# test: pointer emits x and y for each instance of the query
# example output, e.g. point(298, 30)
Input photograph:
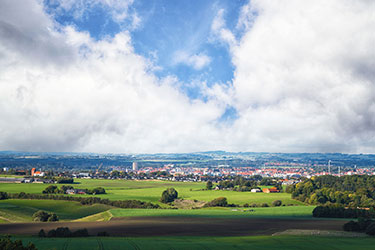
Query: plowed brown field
point(178, 226)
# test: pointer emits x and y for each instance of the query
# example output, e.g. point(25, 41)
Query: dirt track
point(178, 226)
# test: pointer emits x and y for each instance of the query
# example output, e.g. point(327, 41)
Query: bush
point(277, 203)
point(102, 234)
point(169, 195)
point(42, 233)
point(51, 233)
point(370, 230)
point(264, 205)
point(351, 226)
point(246, 205)
point(218, 202)
point(64, 232)
point(81, 233)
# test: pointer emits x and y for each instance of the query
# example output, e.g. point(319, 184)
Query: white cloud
point(197, 61)
point(304, 78)
point(87, 95)
point(119, 10)
point(219, 30)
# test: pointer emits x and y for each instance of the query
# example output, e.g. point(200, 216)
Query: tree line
point(339, 211)
point(242, 184)
point(82, 200)
point(350, 191)
point(53, 189)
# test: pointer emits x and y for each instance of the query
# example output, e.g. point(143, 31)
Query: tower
point(329, 167)
point(135, 166)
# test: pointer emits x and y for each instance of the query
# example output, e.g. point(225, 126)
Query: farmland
point(204, 228)
point(150, 191)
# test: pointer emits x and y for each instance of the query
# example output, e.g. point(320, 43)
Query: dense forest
point(350, 190)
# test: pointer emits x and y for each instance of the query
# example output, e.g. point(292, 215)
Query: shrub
point(81, 233)
point(42, 233)
point(51, 233)
point(277, 203)
point(101, 234)
point(246, 205)
point(370, 230)
point(351, 226)
point(63, 232)
point(264, 205)
point(218, 202)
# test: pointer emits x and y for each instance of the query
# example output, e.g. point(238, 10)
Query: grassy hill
point(22, 210)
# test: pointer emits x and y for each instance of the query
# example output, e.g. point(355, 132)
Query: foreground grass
point(247, 242)
point(274, 212)
point(151, 191)
point(22, 210)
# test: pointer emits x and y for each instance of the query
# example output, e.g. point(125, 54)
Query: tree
point(40, 216)
point(51, 189)
point(44, 216)
point(7, 243)
point(3, 196)
point(209, 185)
point(169, 195)
point(277, 203)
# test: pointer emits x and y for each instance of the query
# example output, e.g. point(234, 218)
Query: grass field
point(275, 212)
point(151, 191)
point(22, 210)
point(246, 242)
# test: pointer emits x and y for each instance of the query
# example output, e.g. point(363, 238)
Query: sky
point(162, 76)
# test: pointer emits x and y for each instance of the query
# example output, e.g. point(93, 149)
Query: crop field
point(22, 210)
point(245, 242)
point(151, 191)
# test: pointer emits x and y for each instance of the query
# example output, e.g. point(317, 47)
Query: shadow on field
point(178, 226)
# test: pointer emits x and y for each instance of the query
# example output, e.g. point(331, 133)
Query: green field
point(302, 212)
point(151, 191)
point(246, 242)
point(22, 210)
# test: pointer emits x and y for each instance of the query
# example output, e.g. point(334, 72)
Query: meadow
point(196, 242)
point(302, 212)
point(150, 191)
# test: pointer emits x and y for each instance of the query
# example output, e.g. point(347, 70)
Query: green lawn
point(151, 191)
point(227, 243)
point(275, 212)
point(22, 210)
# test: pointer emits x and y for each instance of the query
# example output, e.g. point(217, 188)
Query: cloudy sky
point(147, 76)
